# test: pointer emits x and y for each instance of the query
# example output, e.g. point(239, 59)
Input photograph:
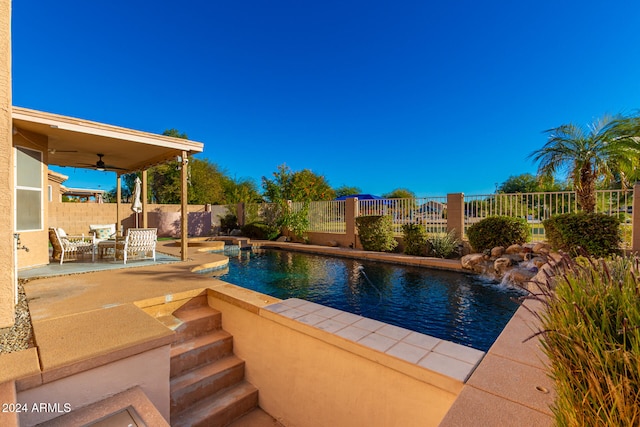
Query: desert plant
point(444, 245)
point(376, 233)
point(596, 234)
point(296, 221)
point(498, 231)
point(591, 334)
point(415, 239)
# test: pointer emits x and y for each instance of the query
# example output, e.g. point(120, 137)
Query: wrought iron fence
point(431, 212)
point(325, 216)
point(536, 207)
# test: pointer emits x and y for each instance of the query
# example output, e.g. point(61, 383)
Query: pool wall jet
point(307, 376)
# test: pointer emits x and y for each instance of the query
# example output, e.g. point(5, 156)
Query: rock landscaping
point(514, 265)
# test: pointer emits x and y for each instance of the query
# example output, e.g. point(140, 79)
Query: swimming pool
point(458, 307)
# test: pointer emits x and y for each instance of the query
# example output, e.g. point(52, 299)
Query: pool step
point(207, 379)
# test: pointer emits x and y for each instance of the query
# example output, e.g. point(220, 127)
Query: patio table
point(106, 247)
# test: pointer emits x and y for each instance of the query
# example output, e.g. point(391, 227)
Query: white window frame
point(40, 190)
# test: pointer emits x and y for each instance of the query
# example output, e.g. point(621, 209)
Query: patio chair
point(138, 241)
point(66, 246)
point(103, 232)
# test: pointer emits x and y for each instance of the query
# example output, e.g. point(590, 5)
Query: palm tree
point(599, 153)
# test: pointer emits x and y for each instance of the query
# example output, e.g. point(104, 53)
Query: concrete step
point(200, 350)
point(196, 321)
point(220, 409)
point(194, 302)
point(204, 381)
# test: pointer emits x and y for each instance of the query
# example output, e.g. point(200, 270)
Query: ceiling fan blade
point(55, 150)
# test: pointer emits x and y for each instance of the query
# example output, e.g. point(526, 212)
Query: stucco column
point(240, 214)
point(7, 243)
point(350, 214)
point(635, 219)
point(455, 214)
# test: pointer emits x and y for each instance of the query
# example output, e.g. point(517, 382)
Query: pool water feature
point(458, 307)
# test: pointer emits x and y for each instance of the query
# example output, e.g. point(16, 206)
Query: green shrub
point(594, 233)
point(498, 231)
point(376, 233)
point(260, 231)
point(591, 335)
point(415, 239)
point(445, 245)
point(228, 222)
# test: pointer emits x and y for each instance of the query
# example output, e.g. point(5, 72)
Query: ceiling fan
point(101, 166)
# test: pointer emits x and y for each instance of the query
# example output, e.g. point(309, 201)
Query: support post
point(119, 230)
point(145, 199)
point(184, 223)
point(455, 214)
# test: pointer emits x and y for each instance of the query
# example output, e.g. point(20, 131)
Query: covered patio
point(72, 142)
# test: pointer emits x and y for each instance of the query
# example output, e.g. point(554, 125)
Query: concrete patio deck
point(508, 388)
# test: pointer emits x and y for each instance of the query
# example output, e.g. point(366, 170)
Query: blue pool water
point(458, 307)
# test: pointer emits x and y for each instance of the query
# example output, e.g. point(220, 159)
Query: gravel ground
point(20, 335)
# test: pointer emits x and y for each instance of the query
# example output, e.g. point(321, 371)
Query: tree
point(400, 193)
point(587, 156)
point(345, 190)
point(528, 183)
point(243, 190)
point(301, 186)
point(175, 133)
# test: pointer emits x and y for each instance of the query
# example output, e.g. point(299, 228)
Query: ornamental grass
point(591, 334)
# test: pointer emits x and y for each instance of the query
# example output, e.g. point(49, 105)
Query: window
point(29, 209)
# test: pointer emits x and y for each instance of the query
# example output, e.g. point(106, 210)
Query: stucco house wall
point(7, 273)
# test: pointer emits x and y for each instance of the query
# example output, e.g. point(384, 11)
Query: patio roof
point(77, 142)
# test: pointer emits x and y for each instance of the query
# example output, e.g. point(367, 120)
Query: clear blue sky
point(437, 97)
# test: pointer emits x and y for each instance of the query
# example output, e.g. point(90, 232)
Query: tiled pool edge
point(441, 363)
point(444, 357)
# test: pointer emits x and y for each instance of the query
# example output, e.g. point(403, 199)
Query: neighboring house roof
point(77, 142)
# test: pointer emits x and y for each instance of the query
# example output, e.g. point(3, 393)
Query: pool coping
point(445, 357)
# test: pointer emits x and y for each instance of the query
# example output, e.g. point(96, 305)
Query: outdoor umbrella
point(136, 206)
